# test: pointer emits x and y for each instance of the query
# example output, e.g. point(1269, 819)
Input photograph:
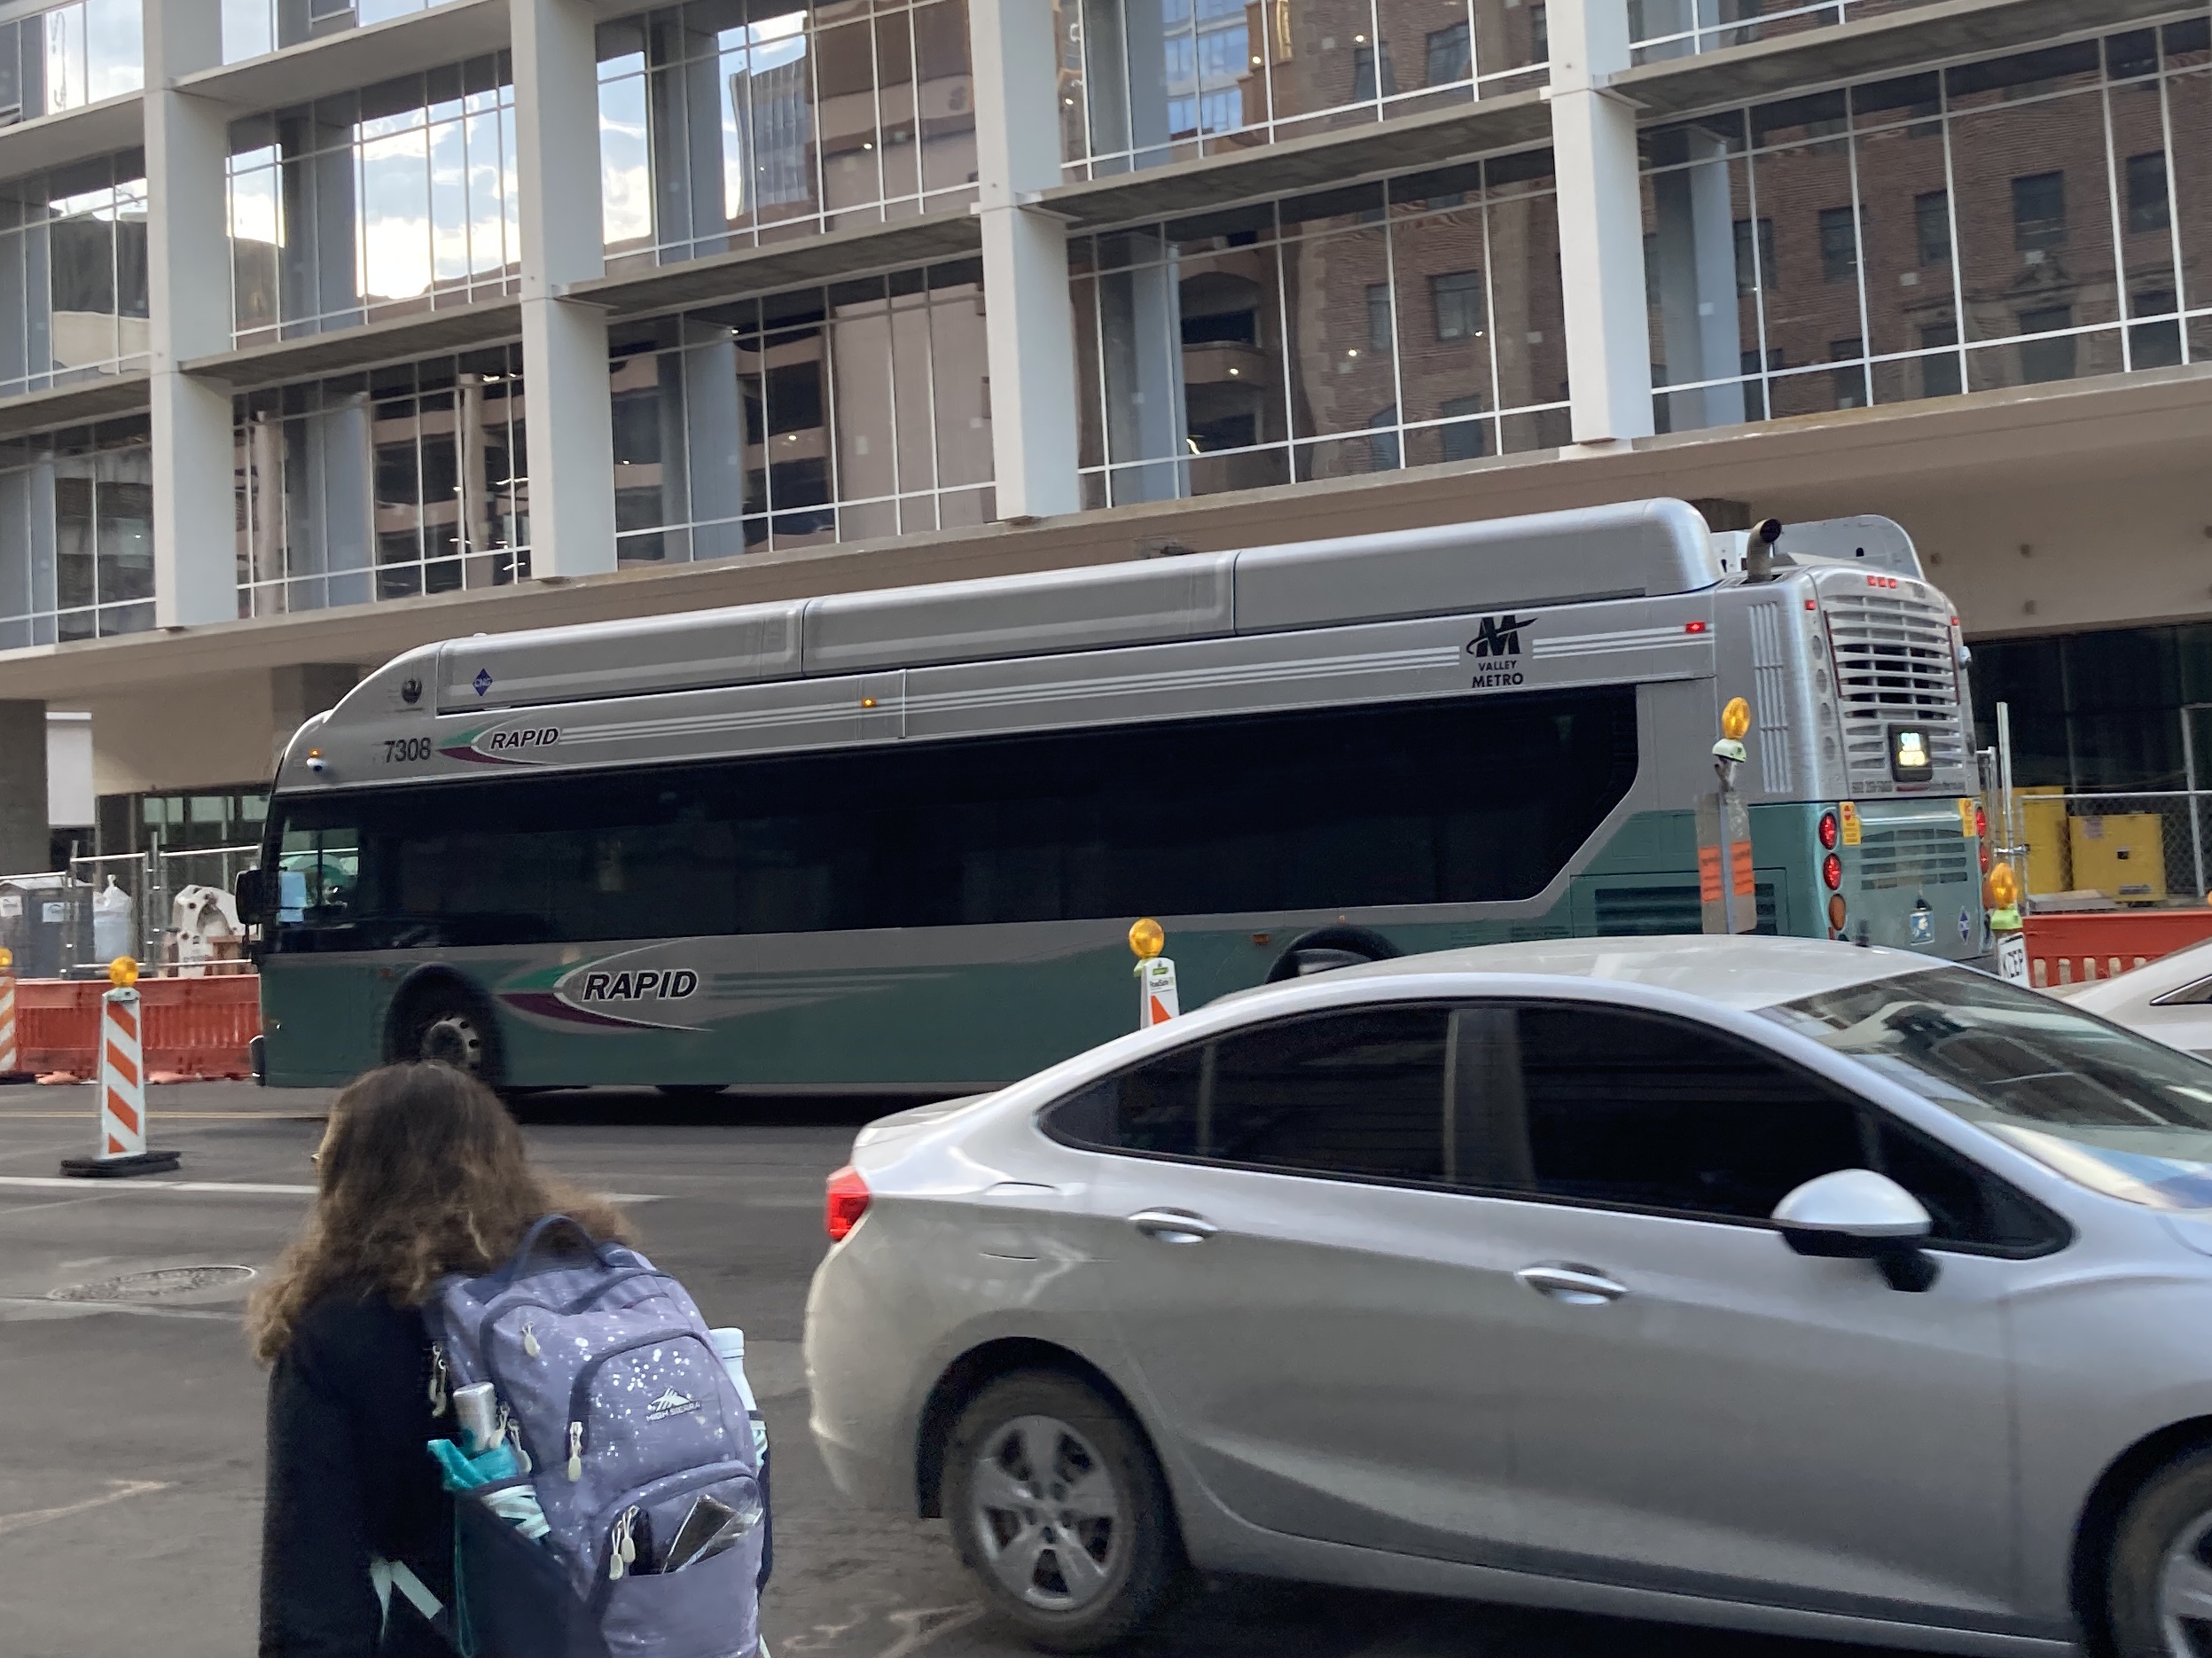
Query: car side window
point(1617, 1106)
point(1624, 1108)
point(1357, 1094)
point(1967, 1204)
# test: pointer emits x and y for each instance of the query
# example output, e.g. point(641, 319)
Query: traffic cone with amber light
point(11, 1064)
point(2000, 891)
point(123, 1087)
point(1156, 1002)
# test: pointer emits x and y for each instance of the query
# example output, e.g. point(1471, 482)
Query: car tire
point(1041, 1465)
point(2159, 1593)
point(449, 1024)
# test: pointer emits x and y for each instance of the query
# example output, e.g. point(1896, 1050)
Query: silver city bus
point(896, 839)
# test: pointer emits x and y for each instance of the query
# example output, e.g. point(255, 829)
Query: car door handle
point(1578, 1286)
point(1174, 1226)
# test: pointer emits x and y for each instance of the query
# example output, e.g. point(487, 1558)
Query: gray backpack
point(635, 1443)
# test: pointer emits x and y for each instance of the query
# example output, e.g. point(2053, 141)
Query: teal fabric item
point(517, 1505)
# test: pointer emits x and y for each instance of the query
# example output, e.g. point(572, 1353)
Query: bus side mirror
point(245, 889)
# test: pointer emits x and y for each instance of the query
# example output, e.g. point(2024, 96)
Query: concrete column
point(567, 407)
point(1030, 324)
point(1601, 224)
point(188, 255)
point(25, 841)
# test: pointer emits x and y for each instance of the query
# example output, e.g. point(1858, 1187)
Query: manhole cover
point(170, 1280)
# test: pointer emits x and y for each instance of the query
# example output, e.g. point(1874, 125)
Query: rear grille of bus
point(1914, 855)
point(1894, 666)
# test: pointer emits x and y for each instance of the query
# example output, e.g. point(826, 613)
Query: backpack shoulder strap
point(386, 1575)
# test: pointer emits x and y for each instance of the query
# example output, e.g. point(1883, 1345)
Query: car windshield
point(2111, 1110)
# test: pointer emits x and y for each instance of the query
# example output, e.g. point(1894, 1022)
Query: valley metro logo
point(669, 1404)
point(1499, 635)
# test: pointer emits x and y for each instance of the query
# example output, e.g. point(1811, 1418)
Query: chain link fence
point(70, 923)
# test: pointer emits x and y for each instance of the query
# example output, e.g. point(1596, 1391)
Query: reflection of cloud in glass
point(395, 221)
point(625, 175)
point(114, 47)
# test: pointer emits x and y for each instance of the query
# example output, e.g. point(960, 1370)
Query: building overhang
point(1981, 446)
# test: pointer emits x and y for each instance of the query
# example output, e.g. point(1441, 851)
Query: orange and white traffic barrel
point(122, 1082)
point(10, 1066)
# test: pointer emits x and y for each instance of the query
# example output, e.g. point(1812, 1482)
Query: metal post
point(1728, 854)
point(2196, 818)
point(2005, 782)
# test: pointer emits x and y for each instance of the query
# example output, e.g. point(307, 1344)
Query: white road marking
point(922, 1627)
point(46, 1306)
point(235, 1188)
point(123, 1490)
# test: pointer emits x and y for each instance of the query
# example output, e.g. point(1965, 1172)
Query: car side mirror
point(1858, 1215)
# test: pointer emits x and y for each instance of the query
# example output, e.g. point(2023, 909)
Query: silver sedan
point(1764, 1283)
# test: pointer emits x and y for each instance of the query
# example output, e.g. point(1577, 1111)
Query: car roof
point(1745, 971)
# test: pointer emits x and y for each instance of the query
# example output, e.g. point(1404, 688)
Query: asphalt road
point(130, 1442)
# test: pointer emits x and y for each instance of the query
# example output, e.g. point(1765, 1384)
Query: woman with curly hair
point(421, 1173)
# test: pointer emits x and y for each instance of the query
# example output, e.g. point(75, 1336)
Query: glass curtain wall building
point(370, 205)
point(723, 124)
point(1145, 83)
point(1356, 330)
point(1267, 252)
point(841, 413)
point(2011, 221)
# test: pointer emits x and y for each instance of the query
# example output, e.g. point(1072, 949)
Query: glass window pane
point(1354, 1094)
point(1639, 1112)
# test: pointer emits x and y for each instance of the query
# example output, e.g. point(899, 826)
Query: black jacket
point(349, 1416)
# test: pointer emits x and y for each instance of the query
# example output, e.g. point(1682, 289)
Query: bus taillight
point(1836, 913)
point(1829, 831)
point(1832, 871)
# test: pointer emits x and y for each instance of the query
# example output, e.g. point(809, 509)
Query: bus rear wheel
point(1327, 947)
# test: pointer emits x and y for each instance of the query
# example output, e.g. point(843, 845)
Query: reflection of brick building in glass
point(1929, 235)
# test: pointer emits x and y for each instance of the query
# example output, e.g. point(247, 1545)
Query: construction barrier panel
point(194, 1028)
point(2077, 948)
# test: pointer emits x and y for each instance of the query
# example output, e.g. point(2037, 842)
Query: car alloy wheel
point(1046, 1513)
point(2185, 1591)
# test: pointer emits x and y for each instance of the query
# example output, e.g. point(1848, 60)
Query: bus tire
point(1327, 947)
point(444, 1021)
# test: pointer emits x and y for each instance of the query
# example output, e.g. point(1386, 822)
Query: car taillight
point(849, 1196)
point(1981, 824)
point(1828, 832)
point(1832, 871)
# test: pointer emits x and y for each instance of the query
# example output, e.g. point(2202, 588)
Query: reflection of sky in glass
point(625, 145)
point(115, 47)
point(625, 174)
point(429, 191)
point(255, 213)
point(394, 215)
point(250, 27)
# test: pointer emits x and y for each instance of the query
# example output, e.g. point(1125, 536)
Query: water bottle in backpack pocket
point(632, 1428)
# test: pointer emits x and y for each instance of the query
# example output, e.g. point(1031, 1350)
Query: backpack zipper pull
point(575, 1451)
point(437, 1378)
point(623, 1548)
point(529, 1340)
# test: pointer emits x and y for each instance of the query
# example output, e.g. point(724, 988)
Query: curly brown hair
point(422, 1173)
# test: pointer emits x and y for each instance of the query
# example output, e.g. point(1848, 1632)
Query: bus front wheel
point(447, 1024)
